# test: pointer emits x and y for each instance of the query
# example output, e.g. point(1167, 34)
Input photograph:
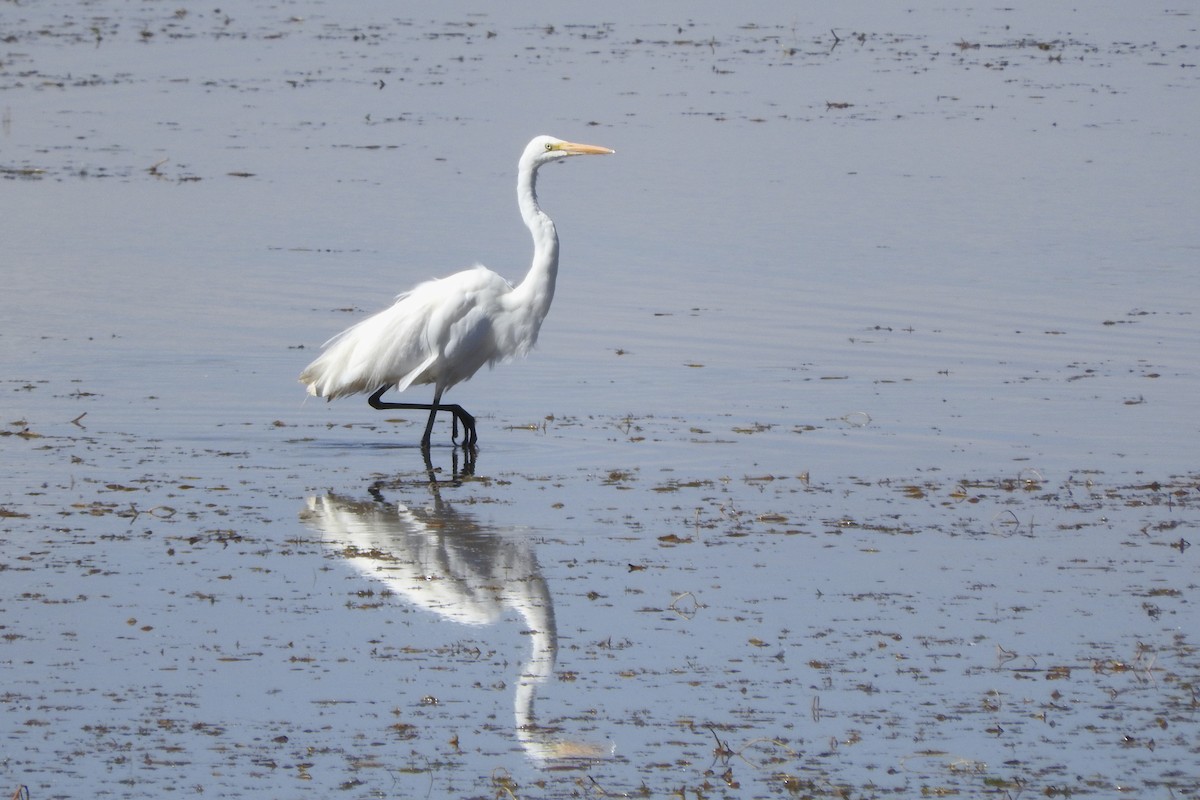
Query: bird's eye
point(549, 146)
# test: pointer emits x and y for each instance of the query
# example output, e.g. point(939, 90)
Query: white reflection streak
point(440, 559)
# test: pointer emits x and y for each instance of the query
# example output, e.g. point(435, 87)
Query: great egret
point(442, 331)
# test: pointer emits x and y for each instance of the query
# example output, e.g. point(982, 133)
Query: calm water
point(857, 457)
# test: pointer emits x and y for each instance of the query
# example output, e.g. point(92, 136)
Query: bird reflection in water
point(441, 559)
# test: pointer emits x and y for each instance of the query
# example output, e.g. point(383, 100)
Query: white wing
point(441, 332)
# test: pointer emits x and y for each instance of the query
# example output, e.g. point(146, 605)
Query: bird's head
point(544, 149)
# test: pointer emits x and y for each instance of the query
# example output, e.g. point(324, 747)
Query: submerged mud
point(606, 629)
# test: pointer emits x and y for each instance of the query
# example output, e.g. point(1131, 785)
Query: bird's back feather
point(440, 332)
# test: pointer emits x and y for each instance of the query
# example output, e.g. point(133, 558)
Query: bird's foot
point(458, 414)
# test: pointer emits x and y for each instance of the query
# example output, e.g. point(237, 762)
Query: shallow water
point(857, 457)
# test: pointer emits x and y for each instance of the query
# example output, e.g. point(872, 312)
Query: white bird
point(442, 331)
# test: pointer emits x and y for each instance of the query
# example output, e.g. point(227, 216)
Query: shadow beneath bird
point(437, 478)
point(434, 475)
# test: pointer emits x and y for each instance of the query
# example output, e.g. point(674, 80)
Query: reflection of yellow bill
point(582, 750)
point(566, 750)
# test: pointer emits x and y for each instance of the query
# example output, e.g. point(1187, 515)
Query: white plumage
point(442, 331)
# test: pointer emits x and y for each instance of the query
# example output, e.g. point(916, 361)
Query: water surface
point(857, 457)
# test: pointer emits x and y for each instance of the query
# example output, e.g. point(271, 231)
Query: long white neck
point(535, 292)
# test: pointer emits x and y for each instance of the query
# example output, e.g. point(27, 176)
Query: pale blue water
point(908, 385)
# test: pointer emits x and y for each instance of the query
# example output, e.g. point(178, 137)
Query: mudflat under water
point(857, 458)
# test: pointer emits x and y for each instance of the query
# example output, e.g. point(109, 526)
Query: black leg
point(437, 400)
point(458, 412)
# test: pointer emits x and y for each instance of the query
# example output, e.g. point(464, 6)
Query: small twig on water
point(686, 613)
point(997, 522)
point(721, 750)
point(742, 753)
point(502, 780)
point(599, 788)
